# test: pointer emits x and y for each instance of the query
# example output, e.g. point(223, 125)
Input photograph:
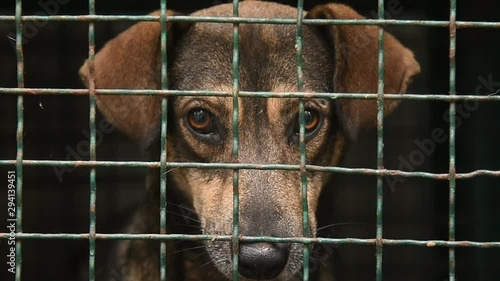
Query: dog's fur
point(336, 59)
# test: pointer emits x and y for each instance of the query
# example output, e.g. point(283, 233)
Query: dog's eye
point(204, 125)
point(311, 125)
point(200, 121)
point(311, 119)
point(311, 122)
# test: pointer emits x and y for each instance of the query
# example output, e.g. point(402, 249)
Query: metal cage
point(379, 241)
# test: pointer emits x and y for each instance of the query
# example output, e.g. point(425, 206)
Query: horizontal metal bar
point(95, 18)
point(219, 20)
point(420, 97)
point(319, 240)
point(250, 166)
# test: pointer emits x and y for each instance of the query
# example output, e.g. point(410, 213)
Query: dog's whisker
point(187, 249)
point(199, 254)
point(209, 262)
point(181, 206)
point(168, 171)
point(183, 216)
point(337, 224)
point(318, 260)
point(212, 270)
point(190, 226)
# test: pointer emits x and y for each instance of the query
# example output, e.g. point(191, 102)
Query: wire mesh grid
point(453, 24)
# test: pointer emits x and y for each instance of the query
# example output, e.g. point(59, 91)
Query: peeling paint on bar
point(236, 138)
point(93, 157)
point(382, 22)
point(250, 166)
point(163, 137)
point(380, 144)
point(201, 237)
point(302, 144)
point(19, 137)
point(452, 146)
point(491, 97)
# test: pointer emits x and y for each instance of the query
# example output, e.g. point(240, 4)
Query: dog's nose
point(262, 261)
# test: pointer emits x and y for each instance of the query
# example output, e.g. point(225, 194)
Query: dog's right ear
point(132, 60)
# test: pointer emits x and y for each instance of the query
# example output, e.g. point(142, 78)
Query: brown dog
point(336, 59)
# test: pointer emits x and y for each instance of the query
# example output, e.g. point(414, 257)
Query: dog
point(337, 58)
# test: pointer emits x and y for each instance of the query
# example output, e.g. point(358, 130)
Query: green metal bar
point(452, 113)
point(384, 22)
point(251, 166)
point(302, 143)
point(92, 226)
point(380, 143)
point(235, 152)
point(418, 97)
point(163, 153)
point(304, 240)
point(492, 97)
point(92, 124)
point(19, 136)
point(163, 189)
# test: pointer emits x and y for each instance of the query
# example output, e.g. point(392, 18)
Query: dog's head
point(336, 59)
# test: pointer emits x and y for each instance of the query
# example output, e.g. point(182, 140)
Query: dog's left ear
point(356, 66)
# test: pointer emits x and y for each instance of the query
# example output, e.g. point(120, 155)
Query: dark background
point(413, 209)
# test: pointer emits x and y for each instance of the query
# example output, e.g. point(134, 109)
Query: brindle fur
point(336, 59)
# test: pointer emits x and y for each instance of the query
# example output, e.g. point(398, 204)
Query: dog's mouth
point(258, 261)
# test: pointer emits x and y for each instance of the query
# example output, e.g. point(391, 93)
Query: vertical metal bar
point(92, 113)
point(302, 144)
point(380, 142)
point(19, 136)
point(236, 89)
point(452, 110)
point(163, 154)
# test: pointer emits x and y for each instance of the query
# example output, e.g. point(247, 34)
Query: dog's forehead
point(267, 53)
point(256, 9)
